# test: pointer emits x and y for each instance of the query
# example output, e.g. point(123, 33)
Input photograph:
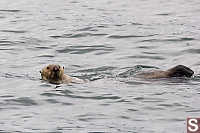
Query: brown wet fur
point(55, 74)
point(177, 71)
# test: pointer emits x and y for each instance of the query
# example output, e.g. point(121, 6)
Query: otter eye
point(47, 67)
point(40, 71)
point(59, 67)
point(63, 67)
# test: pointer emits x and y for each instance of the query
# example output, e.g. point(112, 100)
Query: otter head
point(53, 73)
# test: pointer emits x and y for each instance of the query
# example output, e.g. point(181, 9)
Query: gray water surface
point(106, 42)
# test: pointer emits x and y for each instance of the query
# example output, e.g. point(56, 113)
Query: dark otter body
point(177, 71)
point(180, 71)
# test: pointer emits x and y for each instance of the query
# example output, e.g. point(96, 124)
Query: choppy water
point(105, 41)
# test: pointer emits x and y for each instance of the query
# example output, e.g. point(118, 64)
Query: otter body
point(177, 71)
point(55, 74)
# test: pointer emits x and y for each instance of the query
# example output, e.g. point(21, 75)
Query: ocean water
point(106, 42)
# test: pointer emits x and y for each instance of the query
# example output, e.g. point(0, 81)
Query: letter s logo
point(193, 123)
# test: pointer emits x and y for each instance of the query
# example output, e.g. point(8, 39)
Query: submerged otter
point(55, 74)
point(177, 71)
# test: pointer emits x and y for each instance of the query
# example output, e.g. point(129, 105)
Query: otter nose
point(55, 69)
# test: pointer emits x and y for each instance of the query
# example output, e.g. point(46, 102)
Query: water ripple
point(128, 36)
point(6, 96)
point(76, 96)
point(5, 49)
point(135, 23)
point(146, 57)
point(13, 31)
point(78, 35)
point(98, 69)
point(45, 56)
point(169, 40)
point(170, 105)
point(192, 50)
point(18, 76)
point(98, 132)
point(153, 108)
point(193, 110)
point(164, 14)
point(86, 29)
point(88, 117)
point(96, 73)
point(146, 47)
point(85, 49)
point(25, 101)
point(9, 43)
point(133, 110)
point(150, 99)
point(10, 11)
point(93, 97)
point(54, 101)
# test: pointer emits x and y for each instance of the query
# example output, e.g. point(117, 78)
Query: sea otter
point(177, 71)
point(55, 74)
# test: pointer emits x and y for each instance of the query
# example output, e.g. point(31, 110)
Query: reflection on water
point(107, 43)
